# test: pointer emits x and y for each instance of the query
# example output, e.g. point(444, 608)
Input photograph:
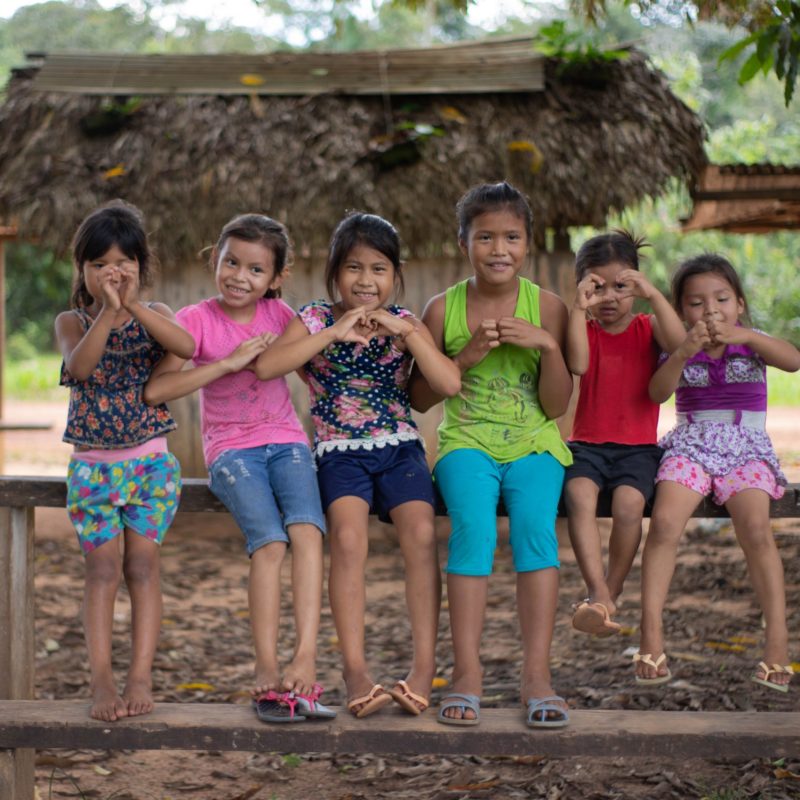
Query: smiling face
point(708, 296)
point(244, 273)
point(366, 278)
point(496, 246)
point(613, 312)
point(94, 269)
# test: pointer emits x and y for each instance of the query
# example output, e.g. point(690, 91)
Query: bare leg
point(306, 552)
point(264, 598)
point(414, 521)
point(673, 508)
point(103, 573)
point(537, 599)
point(466, 596)
point(141, 568)
point(580, 495)
point(348, 518)
point(749, 512)
point(627, 507)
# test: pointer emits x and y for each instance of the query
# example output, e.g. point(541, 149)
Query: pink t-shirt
point(238, 410)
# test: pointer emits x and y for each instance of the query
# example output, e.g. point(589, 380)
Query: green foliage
point(573, 47)
point(38, 287)
point(773, 26)
point(776, 43)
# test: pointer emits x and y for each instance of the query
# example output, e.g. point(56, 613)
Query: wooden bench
point(26, 724)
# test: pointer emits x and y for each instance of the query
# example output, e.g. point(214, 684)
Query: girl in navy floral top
point(122, 484)
point(355, 353)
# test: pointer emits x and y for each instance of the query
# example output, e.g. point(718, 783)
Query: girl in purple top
point(258, 458)
point(718, 447)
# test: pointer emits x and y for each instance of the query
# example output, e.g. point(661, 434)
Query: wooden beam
point(51, 492)
point(220, 726)
point(17, 637)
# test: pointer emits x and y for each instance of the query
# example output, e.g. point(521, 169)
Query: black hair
point(117, 224)
point(263, 230)
point(702, 265)
point(367, 229)
point(619, 246)
point(488, 197)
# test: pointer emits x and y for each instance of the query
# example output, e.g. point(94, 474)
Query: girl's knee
point(141, 567)
point(349, 543)
point(104, 564)
point(663, 528)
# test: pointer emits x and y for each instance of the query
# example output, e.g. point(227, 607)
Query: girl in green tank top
point(499, 439)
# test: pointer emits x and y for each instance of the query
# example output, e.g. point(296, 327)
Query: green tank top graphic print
point(497, 410)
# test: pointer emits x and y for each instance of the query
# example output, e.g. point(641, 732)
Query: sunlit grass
point(34, 378)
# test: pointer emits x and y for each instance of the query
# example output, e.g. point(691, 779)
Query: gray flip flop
point(464, 702)
point(540, 707)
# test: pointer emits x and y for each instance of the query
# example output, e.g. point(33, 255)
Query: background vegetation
point(746, 123)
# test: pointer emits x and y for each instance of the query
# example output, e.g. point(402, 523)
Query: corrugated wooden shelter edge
point(501, 65)
point(746, 198)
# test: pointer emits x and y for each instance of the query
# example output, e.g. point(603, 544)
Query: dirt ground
point(714, 640)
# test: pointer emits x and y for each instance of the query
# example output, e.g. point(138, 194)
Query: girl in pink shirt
point(259, 461)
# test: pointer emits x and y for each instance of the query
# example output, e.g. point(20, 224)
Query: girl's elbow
point(150, 396)
point(452, 386)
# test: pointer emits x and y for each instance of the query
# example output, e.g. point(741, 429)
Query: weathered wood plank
point(50, 492)
point(16, 639)
point(212, 726)
point(16, 604)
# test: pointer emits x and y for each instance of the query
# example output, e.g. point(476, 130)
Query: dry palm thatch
point(192, 161)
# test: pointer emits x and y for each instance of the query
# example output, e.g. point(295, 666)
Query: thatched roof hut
point(192, 159)
point(193, 140)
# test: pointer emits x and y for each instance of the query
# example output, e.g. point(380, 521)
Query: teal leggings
point(471, 483)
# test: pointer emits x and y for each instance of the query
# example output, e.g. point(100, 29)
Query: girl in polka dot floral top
point(355, 353)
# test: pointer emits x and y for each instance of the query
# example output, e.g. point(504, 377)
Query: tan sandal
point(409, 700)
point(594, 618)
point(647, 660)
point(775, 669)
point(373, 701)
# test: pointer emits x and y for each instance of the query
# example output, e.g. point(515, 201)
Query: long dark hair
point(702, 265)
point(257, 228)
point(367, 229)
point(117, 224)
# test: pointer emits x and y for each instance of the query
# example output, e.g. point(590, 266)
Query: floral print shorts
point(752, 475)
point(105, 498)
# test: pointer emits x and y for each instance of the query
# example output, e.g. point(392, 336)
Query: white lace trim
point(341, 445)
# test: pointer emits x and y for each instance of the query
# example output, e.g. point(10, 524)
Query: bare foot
point(138, 696)
point(301, 675)
point(266, 681)
point(107, 705)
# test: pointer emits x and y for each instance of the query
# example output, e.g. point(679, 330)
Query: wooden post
point(16, 639)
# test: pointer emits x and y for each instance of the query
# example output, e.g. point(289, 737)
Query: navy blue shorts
point(611, 465)
point(384, 477)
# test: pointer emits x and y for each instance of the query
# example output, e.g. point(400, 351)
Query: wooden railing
point(27, 724)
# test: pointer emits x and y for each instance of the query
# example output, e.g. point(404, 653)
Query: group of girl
point(500, 352)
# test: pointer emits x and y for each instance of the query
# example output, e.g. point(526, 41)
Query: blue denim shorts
point(384, 477)
point(267, 489)
point(471, 483)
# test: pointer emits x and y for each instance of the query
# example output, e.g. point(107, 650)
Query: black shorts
point(611, 465)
